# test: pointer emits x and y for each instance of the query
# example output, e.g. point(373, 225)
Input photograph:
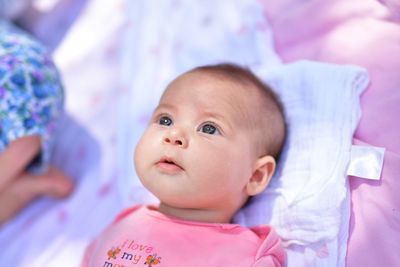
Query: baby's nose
point(176, 137)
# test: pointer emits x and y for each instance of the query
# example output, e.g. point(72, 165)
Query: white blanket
point(308, 199)
point(114, 73)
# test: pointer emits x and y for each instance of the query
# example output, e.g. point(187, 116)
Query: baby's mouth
point(168, 165)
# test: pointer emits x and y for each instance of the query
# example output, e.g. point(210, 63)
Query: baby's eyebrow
point(165, 106)
point(219, 117)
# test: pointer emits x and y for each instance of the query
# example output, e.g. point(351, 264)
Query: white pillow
point(307, 200)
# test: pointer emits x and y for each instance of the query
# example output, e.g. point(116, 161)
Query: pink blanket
point(366, 33)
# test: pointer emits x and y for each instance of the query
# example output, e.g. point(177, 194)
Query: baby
point(212, 143)
point(31, 100)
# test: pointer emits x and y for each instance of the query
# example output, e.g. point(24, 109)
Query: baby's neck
point(198, 215)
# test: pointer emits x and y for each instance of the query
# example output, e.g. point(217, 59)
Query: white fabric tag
point(366, 162)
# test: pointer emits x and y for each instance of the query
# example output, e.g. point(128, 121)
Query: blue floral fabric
point(31, 93)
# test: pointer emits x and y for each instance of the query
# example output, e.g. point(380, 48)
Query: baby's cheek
point(141, 154)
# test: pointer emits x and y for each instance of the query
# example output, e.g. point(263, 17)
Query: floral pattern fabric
point(31, 93)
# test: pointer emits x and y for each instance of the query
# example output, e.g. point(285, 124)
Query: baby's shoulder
point(271, 246)
point(126, 212)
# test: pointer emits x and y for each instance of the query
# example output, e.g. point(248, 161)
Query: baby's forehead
point(201, 85)
point(217, 87)
point(209, 91)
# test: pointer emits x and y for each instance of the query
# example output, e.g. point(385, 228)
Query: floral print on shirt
point(31, 93)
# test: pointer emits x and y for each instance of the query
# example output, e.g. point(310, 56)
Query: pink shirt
point(142, 236)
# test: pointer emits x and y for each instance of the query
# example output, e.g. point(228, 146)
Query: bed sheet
point(366, 33)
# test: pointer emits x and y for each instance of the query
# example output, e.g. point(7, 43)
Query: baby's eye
point(209, 129)
point(165, 120)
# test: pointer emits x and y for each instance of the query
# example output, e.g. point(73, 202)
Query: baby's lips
point(169, 161)
point(168, 167)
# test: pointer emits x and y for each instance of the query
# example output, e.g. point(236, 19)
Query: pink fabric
point(144, 235)
point(366, 33)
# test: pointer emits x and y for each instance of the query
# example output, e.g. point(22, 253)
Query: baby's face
point(197, 151)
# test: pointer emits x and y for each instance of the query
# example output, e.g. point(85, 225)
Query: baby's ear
point(263, 170)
